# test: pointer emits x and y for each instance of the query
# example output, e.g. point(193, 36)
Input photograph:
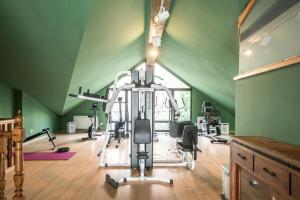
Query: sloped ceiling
point(39, 42)
point(50, 47)
point(114, 41)
point(200, 44)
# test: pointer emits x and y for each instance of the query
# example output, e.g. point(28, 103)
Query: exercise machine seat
point(176, 128)
point(189, 138)
point(142, 131)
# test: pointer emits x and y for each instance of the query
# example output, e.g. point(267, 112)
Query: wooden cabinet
point(295, 183)
point(264, 169)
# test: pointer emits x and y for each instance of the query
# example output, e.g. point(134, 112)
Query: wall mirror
point(269, 34)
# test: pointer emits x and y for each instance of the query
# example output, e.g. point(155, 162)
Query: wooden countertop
point(283, 151)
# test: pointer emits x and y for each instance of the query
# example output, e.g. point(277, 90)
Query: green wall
point(6, 101)
point(36, 116)
point(198, 97)
point(84, 109)
point(269, 105)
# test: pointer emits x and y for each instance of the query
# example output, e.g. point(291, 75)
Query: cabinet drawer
point(242, 157)
point(255, 189)
point(272, 175)
point(295, 183)
point(251, 188)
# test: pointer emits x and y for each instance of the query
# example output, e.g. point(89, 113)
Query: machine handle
point(73, 95)
point(253, 183)
point(269, 172)
point(241, 156)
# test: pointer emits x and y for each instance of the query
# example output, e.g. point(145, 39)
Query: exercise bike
point(120, 128)
point(92, 130)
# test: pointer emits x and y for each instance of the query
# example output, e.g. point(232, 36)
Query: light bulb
point(248, 52)
point(153, 53)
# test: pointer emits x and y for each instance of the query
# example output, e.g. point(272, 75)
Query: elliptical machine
point(92, 130)
point(172, 113)
point(120, 128)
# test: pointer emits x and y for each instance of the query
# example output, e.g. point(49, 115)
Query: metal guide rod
point(92, 98)
point(102, 153)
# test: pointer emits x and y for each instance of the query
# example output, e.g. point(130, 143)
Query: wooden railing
point(11, 138)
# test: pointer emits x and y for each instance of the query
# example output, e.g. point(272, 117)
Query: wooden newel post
point(9, 152)
point(2, 167)
point(17, 136)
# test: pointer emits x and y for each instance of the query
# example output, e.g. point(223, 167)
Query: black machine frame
point(127, 118)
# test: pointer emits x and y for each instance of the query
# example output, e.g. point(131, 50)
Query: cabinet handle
point(241, 156)
point(269, 172)
point(253, 183)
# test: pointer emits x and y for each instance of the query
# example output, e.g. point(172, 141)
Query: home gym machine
point(119, 132)
point(141, 156)
point(142, 89)
point(212, 122)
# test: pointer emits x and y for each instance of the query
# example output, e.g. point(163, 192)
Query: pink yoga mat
point(48, 156)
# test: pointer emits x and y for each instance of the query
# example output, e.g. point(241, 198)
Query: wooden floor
point(81, 178)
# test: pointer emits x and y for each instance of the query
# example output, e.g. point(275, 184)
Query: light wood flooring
point(81, 178)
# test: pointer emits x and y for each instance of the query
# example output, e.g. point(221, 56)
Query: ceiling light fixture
point(248, 52)
point(156, 41)
point(162, 15)
point(153, 52)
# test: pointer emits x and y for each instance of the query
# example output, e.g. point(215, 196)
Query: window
point(162, 113)
point(183, 99)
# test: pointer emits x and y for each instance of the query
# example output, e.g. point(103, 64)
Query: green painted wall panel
point(198, 97)
point(36, 116)
point(6, 101)
point(269, 105)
